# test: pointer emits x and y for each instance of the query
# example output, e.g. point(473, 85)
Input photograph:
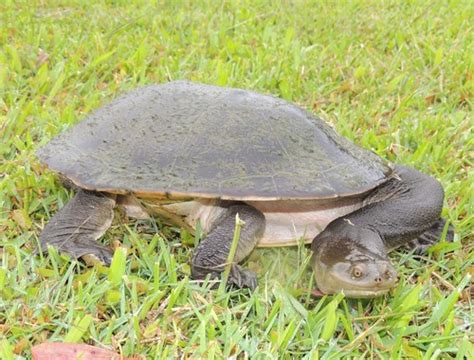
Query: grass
point(395, 77)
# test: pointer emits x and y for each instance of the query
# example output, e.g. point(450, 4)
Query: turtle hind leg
point(210, 257)
point(430, 237)
point(76, 227)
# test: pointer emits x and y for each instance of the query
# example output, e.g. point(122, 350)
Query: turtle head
point(353, 260)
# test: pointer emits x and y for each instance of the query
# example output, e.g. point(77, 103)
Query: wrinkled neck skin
point(350, 255)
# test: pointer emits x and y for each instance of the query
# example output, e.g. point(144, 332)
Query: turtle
point(199, 155)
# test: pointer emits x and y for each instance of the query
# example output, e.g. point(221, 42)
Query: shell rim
point(165, 194)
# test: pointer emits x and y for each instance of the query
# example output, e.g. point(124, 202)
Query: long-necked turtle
point(199, 153)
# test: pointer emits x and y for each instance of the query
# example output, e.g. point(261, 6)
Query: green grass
point(394, 76)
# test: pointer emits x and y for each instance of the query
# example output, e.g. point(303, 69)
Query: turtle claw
point(98, 255)
point(418, 247)
point(242, 278)
point(76, 227)
point(430, 237)
point(88, 251)
point(238, 277)
point(106, 258)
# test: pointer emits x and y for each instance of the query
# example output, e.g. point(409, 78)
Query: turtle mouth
point(364, 294)
point(352, 290)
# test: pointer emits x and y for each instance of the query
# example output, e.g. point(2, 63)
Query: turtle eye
point(357, 272)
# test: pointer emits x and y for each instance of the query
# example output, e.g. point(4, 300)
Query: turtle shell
point(183, 139)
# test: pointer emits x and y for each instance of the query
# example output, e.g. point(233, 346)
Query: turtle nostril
point(378, 279)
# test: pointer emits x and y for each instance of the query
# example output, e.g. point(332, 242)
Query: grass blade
point(117, 267)
point(78, 329)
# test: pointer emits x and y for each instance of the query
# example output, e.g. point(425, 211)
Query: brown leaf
point(43, 56)
point(20, 346)
point(430, 99)
point(21, 217)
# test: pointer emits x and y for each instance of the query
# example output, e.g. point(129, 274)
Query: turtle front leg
point(76, 227)
point(210, 257)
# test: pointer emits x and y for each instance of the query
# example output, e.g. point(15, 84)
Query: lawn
point(395, 77)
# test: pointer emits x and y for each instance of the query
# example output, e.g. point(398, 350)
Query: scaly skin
point(210, 256)
point(350, 255)
point(76, 227)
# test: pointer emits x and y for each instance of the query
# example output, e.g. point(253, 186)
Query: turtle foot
point(430, 237)
point(238, 277)
point(95, 254)
point(242, 278)
point(76, 227)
